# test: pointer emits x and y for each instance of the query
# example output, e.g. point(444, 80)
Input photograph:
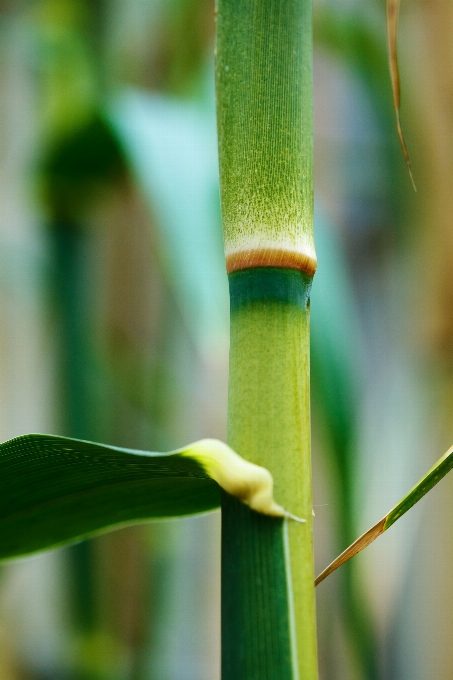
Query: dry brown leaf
point(393, 10)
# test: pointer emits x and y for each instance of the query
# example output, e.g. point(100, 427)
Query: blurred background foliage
point(114, 325)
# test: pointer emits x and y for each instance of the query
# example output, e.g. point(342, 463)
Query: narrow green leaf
point(435, 474)
point(54, 490)
point(432, 477)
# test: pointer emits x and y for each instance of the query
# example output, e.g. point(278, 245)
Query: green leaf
point(432, 477)
point(55, 490)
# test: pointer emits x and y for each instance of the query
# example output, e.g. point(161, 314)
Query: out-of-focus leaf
point(393, 10)
point(335, 352)
point(435, 474)
point(171, 148)
point(54, 490)
point(356, 40)
point(337, 375)
point(74, 169)
point(336, 363)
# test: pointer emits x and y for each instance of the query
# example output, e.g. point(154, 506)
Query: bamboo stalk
point(264, 99)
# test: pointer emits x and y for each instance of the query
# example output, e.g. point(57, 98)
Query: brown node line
point(271, 257)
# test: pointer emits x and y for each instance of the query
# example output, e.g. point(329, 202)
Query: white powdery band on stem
point(302, 259)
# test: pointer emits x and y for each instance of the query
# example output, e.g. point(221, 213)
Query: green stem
point(264, 108)
point(268, 620)
point(264, 117)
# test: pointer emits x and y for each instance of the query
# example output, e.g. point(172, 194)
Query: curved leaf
point(54, 490)
point(432, 477)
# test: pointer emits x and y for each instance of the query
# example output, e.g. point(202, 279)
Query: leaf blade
point(56, 490)
point(432, 477)
point(426, 483)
